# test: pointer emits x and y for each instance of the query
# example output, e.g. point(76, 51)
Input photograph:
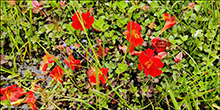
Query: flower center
point(8, 93)
point(84, 22)
point(161, 44)
point(135, 34)
point(149, 63)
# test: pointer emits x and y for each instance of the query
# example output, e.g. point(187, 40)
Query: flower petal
point(149, 53)
point(154, 71)
point(76, 25)
point(158, 63)
point(143, 58)
point(140, 67)
point(90, 21)
point(57, 73)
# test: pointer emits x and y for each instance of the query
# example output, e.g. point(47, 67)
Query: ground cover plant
point(110, 55)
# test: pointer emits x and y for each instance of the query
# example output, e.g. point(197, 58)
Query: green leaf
point(121, 68)
point(184, 38)
point(197, 7)
point(68, 27)
point(137, 15)
point(49, 27)
point(177, 107)
point(98, 23)
point(121, 5)
point(114, 37)
point(133, 89)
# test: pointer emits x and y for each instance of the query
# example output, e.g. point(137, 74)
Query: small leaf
point(121, 68)
point(197, 7)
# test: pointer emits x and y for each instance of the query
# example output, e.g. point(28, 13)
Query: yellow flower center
point(8, 93)
point(135, 33)
point(84, 22)
point(149, 63)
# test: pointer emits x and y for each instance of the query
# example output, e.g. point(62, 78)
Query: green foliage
point(193, 83)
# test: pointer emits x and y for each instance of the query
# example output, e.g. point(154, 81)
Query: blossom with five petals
point(11, 92)
point(160, 45)
point(57, 74)
point(87, 20)
point(136, 38)
point(133, 35)
point(30, 100)
point(149, 63)
point(48, 59)
point(92, 75)
point(72, 62)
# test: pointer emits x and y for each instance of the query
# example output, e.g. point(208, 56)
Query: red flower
point(72, 62)
point(150, 64)
point(136, 38)
point(48, 59)
point(92, 75)
point(170, 21)
point(11, 92)
point(179, 57)
point(30, 100)
point(166, 16)
point(160, 45)
point(100, 51)
point(86, 19)
point(57, 74)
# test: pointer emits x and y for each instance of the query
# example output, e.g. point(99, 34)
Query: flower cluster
point(14, 94)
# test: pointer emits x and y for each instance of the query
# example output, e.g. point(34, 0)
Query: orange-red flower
point(30, 100)
point(170, 21)
point(160, 45)
point(57, 74)
point(11, 93)
point(48, 59)
point(150, 64)
point(100, 51)
point(72, 62)
point(92, 75)
point(136, 38)
point(86, 19)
